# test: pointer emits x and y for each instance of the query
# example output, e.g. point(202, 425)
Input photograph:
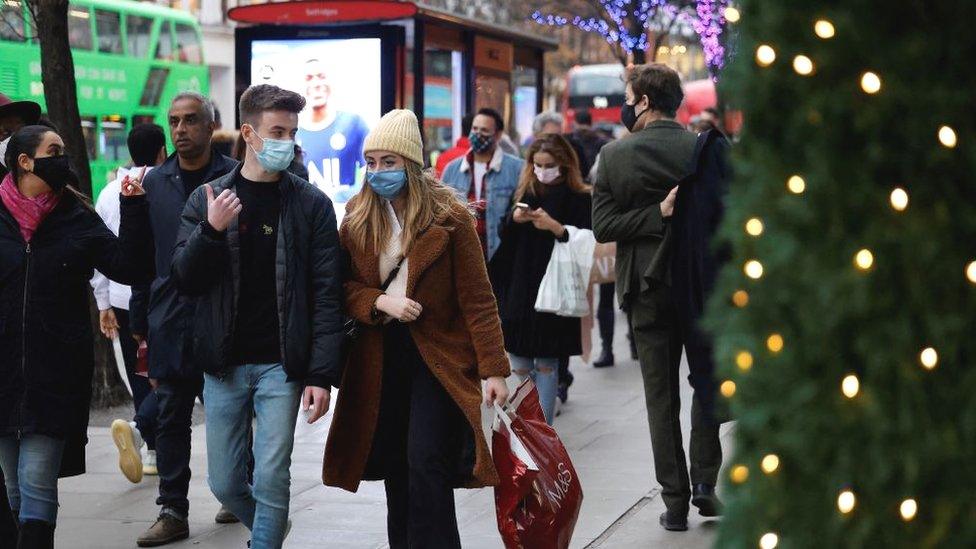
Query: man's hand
point(496, 390)
point(667, 206)
point(315, 402)
point(223, 209)
point(108, 324)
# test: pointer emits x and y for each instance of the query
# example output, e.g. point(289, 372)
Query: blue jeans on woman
point(259, 391)
point(30, 466)
point(545, 374)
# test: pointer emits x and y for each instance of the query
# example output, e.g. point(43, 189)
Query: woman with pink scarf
point(50, 242)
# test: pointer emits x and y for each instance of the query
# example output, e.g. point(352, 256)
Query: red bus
point(600, 88)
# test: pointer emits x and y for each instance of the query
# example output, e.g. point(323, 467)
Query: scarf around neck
point(29, 212)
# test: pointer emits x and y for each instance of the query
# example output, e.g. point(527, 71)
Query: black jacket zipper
point(23, 341)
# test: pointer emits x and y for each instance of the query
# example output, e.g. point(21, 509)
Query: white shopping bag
point(563, 290)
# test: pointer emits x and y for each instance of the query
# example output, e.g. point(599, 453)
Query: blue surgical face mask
point(388, 183)
point(275, 154)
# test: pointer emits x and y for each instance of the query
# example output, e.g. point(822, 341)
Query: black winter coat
point(158, 311)
point(46, 341)
point(516, 271)
point(206, 266)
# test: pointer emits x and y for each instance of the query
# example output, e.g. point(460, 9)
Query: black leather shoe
point(605, 360)
point(673, 521)
point(703, 497)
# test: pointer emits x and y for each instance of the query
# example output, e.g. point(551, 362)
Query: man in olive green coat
point(633, 198)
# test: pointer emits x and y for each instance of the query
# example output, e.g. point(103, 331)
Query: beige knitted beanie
point(397, 132)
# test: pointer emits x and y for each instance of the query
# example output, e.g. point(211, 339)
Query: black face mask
point(629, 116)
point(56, 171)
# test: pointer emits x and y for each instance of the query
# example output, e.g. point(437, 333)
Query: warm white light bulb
point(850, 386)
point(971, 272)
point(765, 55)
point(929, 358)
point(947, 136)
point(768, 541)
point(899, 199)
point(770, 463)
point(796, 184)
point(753, 269)
point(824, 29)
point(732, 15)
point(846, 501)
point(864, 259)
point(908, 509)
point(803, 65)
point(870, 83)
point(754, 226)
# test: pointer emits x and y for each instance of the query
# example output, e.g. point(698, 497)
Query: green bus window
point(113, 139)
point(88, 128)
point(188, 44)
point(138, 32)
point(109, 29)
point(164, 48)
point(11, 21)
point(153, 91)
point(79, 29)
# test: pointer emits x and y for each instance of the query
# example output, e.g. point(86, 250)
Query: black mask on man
point(56, 171)
point(629, 116)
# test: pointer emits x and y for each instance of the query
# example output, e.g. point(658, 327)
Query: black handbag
point(350, 329)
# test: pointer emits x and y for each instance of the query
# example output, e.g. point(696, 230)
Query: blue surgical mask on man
point(275, 154)
point(388, 183)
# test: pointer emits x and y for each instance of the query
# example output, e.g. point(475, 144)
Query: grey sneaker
point(224, 516)
point(167, 529)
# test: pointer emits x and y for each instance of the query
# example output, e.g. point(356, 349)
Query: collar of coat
point(427, 248)
point(495, 165)
point(219, 163)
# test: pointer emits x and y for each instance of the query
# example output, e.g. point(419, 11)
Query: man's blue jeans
point(263, 392)
point(30, 465)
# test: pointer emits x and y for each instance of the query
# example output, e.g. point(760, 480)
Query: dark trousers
point(143, 397)
point(8, 525)
point(659, 340)
point(606, 315)
point(420, 438)
point(175, 398)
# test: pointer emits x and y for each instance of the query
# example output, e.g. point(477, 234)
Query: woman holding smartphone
point(50, 241)
point(551, 194)
point(409, 409)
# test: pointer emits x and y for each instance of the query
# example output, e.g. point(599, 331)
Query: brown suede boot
point(167, 529)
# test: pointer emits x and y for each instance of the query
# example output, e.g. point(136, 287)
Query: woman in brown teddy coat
point(409, 407)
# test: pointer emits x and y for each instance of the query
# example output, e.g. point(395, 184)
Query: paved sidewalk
point(603, 425)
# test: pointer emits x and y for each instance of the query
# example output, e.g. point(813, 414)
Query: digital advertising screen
point(341, 80)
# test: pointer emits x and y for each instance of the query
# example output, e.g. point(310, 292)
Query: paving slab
point(603, 425)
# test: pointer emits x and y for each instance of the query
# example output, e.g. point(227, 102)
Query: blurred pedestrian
point(265, 341)
point(485, 177)
point(409, 408)
point(546, 122)
point(460, 147)
point(147, 149)
point(551, 194)
point(46, 372)
point(633, 198)
point(163, 318)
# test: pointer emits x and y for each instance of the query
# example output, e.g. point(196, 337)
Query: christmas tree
point(845, 322)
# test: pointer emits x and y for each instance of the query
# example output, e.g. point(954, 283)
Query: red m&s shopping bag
point(539, 497)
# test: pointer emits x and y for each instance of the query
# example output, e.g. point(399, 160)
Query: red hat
point(29, 111)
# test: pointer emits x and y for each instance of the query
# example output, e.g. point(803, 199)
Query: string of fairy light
point(871, 83)
point(709, 21)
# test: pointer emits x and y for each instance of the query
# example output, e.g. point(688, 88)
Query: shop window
point(79, 28)
point(442, 98)
point(525, 99)
point(88, 130)
point(113, 139)
point(11, 21)
point(138, 33)
point(109, 28)
point(188, 44)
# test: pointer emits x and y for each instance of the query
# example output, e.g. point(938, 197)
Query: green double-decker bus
point(131, 59)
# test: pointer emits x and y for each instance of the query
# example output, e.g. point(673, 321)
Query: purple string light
point(708, 21)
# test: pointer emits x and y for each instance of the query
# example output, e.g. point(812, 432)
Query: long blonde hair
point(427, 201)
point(565, 156)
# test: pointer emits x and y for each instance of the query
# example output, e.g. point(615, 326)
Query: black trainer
point(605, 360)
